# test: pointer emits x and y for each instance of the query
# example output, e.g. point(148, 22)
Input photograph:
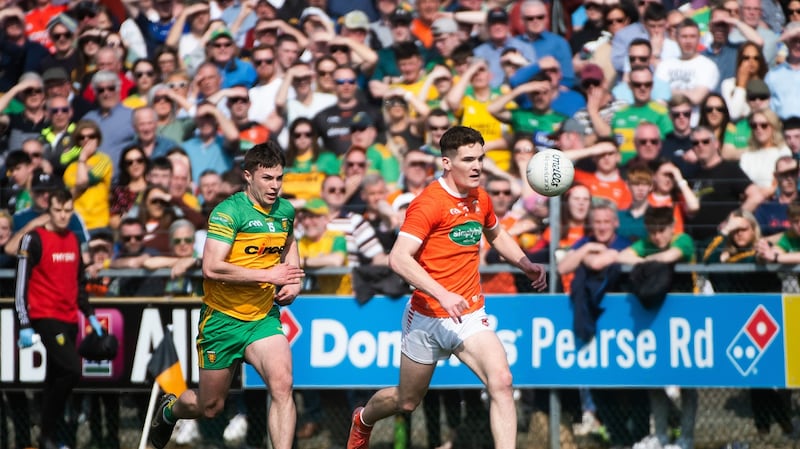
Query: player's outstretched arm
point(216, 268)
point(508, 248)
point(402, 261)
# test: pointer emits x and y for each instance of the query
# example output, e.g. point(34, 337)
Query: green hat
point(221, 32)
point(316, 206)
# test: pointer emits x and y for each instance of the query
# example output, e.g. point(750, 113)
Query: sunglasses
point(757, 97)
point(699, 142)
point(732, 11)
point(646, 84)
point(183, 240)
point(438, 128)
point(759, 125)
point(790, 174)
point(298, 135)
point(235, 100)
point(302, 79)
point(550, 70)
point(794, 11)
point(157, 202)
point(35, 155)
point(749, 58)
point(339, 49)
point(617, 20)
point(131, 162)
point(222, 44)
point(714, 109)
point(333, 190)
point(59, 36)
point(160, 98)
point(147, 73)
point(590, 83)
point(500, 192)
point(178, 85)
point(676, 114)
point(264, 31)
point(104, 89)
point(32, 91)
point(130, 238)
point(267, 61)
point(114, 44)
point(61, 110)
point(418, 164)
point(394, 102)
point(84, 137)
point(342, 81)
point(356, 164)
point(166, 61)
point(648, 141)
point(324, 72)
point(634, 59)
point(532, 18)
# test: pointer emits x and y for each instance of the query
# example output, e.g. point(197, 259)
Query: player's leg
point(484, 354)
point(272, 358)
point(405, 397)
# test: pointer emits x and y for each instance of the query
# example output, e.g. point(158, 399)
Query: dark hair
point(142, 61)
point(725, 120)
point(762, 62)
point(169, 212)
point(233, 177)
point(285, 37)
point(123, 176)
point(323, 59)
point(541, 76)
point(793, 210)
point(86, 124)
point(405, 50)
point(127, 221)
point(641, 41)
point(686, 23)
point(792, 122)
point(291, 150)
point(267, 155)
point(61, 194)
point(161, 162)
point(462, 53)
point(655, 11)
point(659, 217)
point(17, 157)
point(456, 137)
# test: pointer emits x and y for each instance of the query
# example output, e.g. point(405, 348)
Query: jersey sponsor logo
point(466, 234)
point(221, 218)
point(752, 341)
point(260, 250)
point(63, 257)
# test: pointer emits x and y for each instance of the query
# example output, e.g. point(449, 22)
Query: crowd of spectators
point(681, 117)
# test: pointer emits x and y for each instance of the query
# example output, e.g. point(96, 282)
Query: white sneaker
point(236, 429)
point(650, 442)
point(186, 431)
point(589, 424)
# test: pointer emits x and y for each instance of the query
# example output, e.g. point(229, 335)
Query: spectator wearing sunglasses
point(221, 50)
point(722, 51)
point(61, 32)
point(131, 253)
point(757, 96)
point(772, 214)
point(113, 118)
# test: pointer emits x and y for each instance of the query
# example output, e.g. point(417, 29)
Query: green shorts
point(222, 339)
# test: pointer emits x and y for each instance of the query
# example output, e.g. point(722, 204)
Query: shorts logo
point(61, 339)
point(212, 356)
point(485, 322)
point(753, 339)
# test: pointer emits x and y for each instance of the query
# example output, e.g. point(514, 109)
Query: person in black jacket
point(51, 290)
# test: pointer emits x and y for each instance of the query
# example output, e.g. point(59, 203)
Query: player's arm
point(291, 257)
point(509, 248)
point(216, 268)
point(402, 261)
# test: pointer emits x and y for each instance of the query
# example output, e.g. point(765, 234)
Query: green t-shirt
point(529, 122)
point(384, 162)
point(326, 162)
point(789, 243)
point(683, 242)
point(740, 136)
point(628, 118)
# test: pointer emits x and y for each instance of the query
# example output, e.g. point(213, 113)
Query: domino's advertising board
point(721, 340)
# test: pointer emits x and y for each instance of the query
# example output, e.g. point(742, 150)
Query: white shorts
point(427, 339)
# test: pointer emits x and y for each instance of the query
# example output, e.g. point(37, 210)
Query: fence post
point(555, 239)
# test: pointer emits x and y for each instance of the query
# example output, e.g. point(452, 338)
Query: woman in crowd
point(403, 130)
point(306, 163)
point(88, 175)
point(144, 77)
point(671, 190)
point(766, 146)
point(715, 116)
point(158, 212)
point(167, 61)
point(127, 191)
point(166, 102)
point(114, 40)
point(750, 65)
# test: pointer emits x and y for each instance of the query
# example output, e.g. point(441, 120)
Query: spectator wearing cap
point(446, 37)
point(600, 103)
point(57, 83)
point(24, 221)
point(334, 122)
point(113, 118)
point(321, 247)
point(15, 187)
point(643, 108)
point(783, 80)
point(20, 54)
point(545, 43)
point(499, 39)
point(382, 26)
point(61, 33)
point(363, 134)
point(37, 21)
point(387, 70)
point(757, 96)
point(32, 119)
point(221, 50)
point(722, 51)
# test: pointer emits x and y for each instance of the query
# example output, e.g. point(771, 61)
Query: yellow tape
point(791, 338)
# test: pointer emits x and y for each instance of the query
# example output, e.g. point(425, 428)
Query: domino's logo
point(752, 341)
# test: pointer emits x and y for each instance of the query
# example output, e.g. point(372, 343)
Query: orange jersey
point(449, 227)
point(500, 282)
point(616, 191)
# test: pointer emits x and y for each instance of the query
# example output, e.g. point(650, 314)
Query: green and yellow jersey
point(257, 238)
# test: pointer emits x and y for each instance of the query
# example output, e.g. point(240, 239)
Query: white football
point(550, 172)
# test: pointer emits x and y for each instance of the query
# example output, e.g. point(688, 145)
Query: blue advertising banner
point(723, 340)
